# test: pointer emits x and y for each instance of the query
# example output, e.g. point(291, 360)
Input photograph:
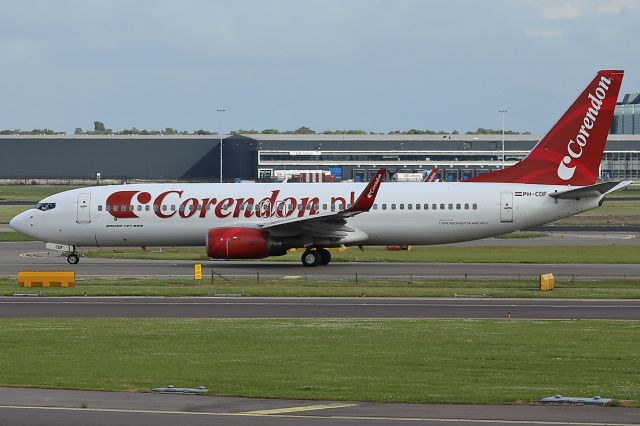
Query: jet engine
point(241, 243)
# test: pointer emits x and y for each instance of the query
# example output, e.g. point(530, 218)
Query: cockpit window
point(45, 206)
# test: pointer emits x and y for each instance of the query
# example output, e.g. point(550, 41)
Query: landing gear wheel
point(73, 259)
point(311, 258)
point(325, 256)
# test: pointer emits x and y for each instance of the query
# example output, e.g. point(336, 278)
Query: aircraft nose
point(19, 223)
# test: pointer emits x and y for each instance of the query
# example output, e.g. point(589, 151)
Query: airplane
point(555, 180)
point(432, 176)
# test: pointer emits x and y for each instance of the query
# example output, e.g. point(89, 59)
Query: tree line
point(100, 129)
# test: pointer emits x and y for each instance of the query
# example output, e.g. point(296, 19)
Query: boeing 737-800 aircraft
point(254, 220)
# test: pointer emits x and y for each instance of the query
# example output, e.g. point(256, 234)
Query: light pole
point(503, 112)
point(221, 110)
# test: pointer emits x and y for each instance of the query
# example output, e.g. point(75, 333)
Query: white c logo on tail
point(565, 172)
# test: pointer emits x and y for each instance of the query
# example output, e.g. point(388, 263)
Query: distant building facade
point(271, 157)
point(626, 118)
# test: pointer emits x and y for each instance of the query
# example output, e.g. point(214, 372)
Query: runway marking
point(300, 408)
point(291, 277)
point(317, 417)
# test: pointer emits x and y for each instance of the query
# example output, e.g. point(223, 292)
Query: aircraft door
point(506, 207)
point(84, 208)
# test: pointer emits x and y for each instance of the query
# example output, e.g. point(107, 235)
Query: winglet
point(368, 196)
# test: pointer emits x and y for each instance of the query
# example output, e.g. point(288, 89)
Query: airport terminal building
point(268, 157)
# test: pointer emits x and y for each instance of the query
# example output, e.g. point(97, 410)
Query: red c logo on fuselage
point(118, 203)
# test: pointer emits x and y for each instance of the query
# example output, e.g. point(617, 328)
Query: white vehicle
point(255, 220)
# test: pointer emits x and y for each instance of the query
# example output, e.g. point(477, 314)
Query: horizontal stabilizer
point(596, 190)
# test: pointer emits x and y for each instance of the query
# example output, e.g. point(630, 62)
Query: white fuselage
point(403, 213)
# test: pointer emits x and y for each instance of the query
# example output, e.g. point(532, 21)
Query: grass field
point(8, 212)
point(30, 192)
point(446, 254)
point(10, 236)
point(344, 287)
point(434, 361)
point(615, 213)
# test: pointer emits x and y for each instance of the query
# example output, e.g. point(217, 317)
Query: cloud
point(561, 11)
point(615, 7)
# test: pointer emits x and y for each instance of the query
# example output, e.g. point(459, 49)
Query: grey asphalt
point(32, 256)
point(68, 407)
point(297, 307)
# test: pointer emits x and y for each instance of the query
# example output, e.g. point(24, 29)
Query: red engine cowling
point(238, 243)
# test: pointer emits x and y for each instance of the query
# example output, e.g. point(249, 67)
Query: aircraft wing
point(332, 225)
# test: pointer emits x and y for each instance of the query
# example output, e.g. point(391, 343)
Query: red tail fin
point(571, 152)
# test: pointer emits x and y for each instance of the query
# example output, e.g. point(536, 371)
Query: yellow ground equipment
point(547, 282)
point(46, 279)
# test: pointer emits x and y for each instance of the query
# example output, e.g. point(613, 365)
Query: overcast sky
point(376, 65)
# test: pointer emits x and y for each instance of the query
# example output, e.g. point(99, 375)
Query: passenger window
point(108, 207)
point(181, 208)
point(147, 207)
point(409, 206)
point(139, 208)
point(164, 207)
point(116, 208)
point(450, 206)
point(402, 206)
point(384, 207)
point(417, 206)
point(123, 207)
point(466, 206)
point(173, 208)
point(426, 206)
point(99, 208)
point(475, 206)
point(393, 206)
point(155, 207)
point(434, 206)
point(131, 208)
point(324, 207)
point(375, 207)
point(458, 206)
point(441, 206)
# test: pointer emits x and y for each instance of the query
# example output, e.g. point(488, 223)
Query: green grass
point(344, 287)
point(30, 192)
point(8, 212)
point(629, 191)
point(433, 361)
point(447, 254)
point(616, 213)
point(10, 237)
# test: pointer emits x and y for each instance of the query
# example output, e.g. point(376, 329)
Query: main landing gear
point(316, 257)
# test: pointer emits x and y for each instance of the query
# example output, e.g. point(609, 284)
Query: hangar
point(266, 156)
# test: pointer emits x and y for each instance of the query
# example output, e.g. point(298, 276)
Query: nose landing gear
point(73, 257)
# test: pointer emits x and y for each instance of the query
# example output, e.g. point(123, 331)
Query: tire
point(73, 259)
point(325, 256)
point(311, 258)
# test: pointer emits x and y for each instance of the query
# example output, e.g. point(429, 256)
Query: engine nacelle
point(241, 243)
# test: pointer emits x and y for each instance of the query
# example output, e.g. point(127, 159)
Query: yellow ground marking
point(299, 409)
